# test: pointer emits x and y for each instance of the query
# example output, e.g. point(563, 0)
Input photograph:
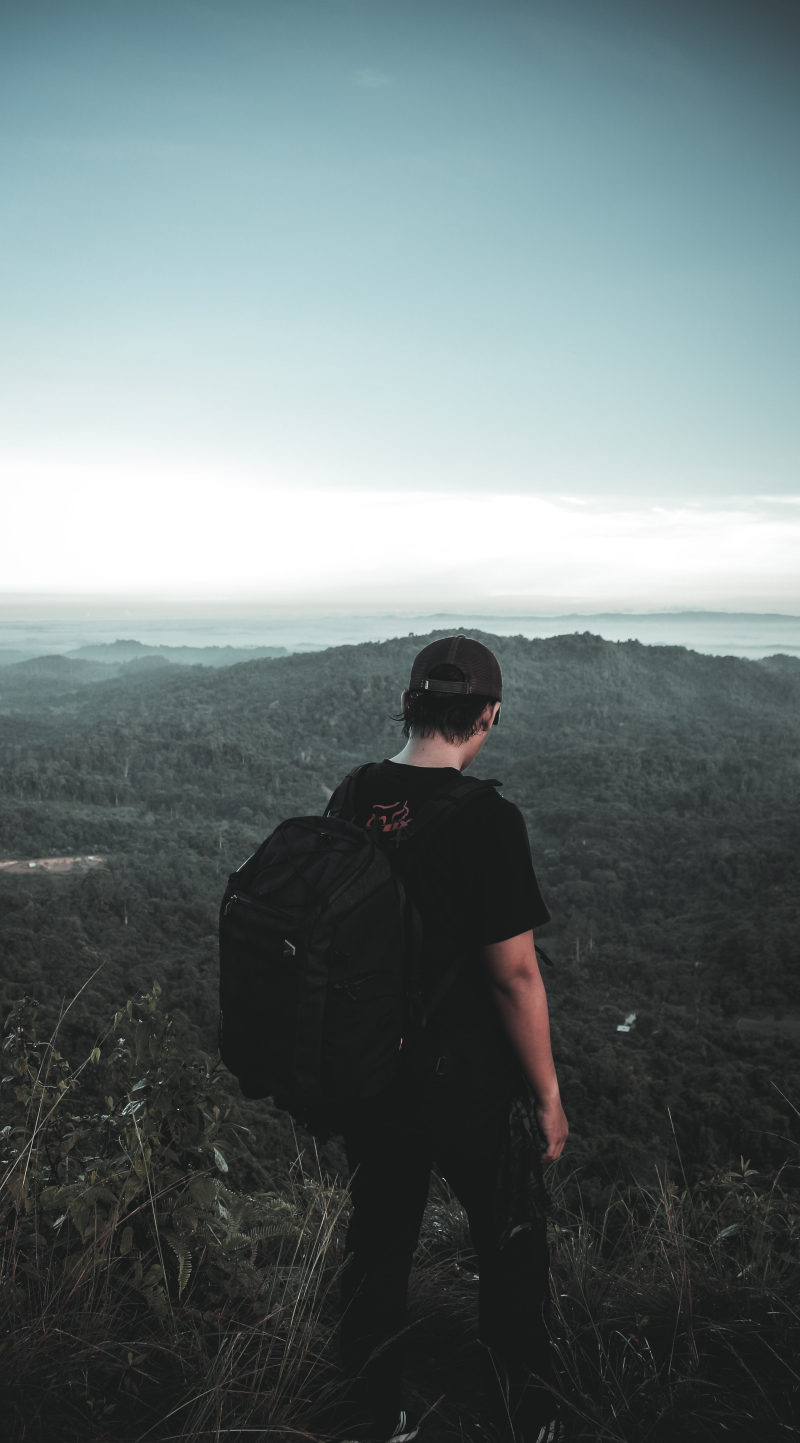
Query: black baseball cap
point(480, 670)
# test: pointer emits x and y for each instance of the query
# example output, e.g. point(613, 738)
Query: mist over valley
point(203, 634)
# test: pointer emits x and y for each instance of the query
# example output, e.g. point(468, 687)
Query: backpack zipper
point(274, 913)
point(246, 901)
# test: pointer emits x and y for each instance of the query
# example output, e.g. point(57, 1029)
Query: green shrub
point(131, 1268)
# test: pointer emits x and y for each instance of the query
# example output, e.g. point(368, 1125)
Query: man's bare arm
point(521, 1000)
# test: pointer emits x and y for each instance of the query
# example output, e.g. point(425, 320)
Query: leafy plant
point(130, 1266)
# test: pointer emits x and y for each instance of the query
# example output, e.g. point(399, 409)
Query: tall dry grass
point(144, 1297)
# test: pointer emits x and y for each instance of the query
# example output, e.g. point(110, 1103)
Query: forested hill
point(660, 788)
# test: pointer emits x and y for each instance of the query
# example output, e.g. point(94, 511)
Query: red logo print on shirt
point(391, 817)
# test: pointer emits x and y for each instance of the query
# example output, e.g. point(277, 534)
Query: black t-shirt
point(479, 860)
point(472, 880)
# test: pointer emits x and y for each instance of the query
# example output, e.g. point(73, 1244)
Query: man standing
point(471, 1084)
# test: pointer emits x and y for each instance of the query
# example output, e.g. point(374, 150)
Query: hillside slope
point(660, 788)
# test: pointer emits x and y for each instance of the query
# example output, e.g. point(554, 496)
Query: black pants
point(392, 1143)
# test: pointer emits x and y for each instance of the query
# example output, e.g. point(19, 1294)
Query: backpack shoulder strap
point(454, 794)
point(343, 800)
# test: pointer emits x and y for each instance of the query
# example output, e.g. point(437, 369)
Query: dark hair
point(454, 717)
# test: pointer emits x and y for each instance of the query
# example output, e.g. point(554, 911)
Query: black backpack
point(320, 951)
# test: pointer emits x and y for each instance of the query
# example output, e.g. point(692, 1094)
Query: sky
point(355, 303)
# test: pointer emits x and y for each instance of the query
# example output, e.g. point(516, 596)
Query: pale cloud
point(372, 79)
point(152, 533)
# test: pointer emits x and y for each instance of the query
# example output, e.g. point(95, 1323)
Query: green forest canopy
point(660, 789)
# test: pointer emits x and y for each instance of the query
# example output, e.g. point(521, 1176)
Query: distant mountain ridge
point(572, 670)
point(126, 649)
point(228, 636)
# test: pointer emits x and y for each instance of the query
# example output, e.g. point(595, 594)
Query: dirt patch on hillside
point(56, 865)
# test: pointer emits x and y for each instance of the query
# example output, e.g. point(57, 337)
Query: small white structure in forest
point(627, 1024)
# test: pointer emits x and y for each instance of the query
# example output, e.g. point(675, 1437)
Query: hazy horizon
point(45, 629)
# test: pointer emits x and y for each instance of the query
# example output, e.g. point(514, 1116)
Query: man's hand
point(553, 1126)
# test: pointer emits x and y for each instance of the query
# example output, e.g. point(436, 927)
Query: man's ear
point(496, 715)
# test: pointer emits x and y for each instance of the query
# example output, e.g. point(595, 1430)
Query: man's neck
point(436, 752)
